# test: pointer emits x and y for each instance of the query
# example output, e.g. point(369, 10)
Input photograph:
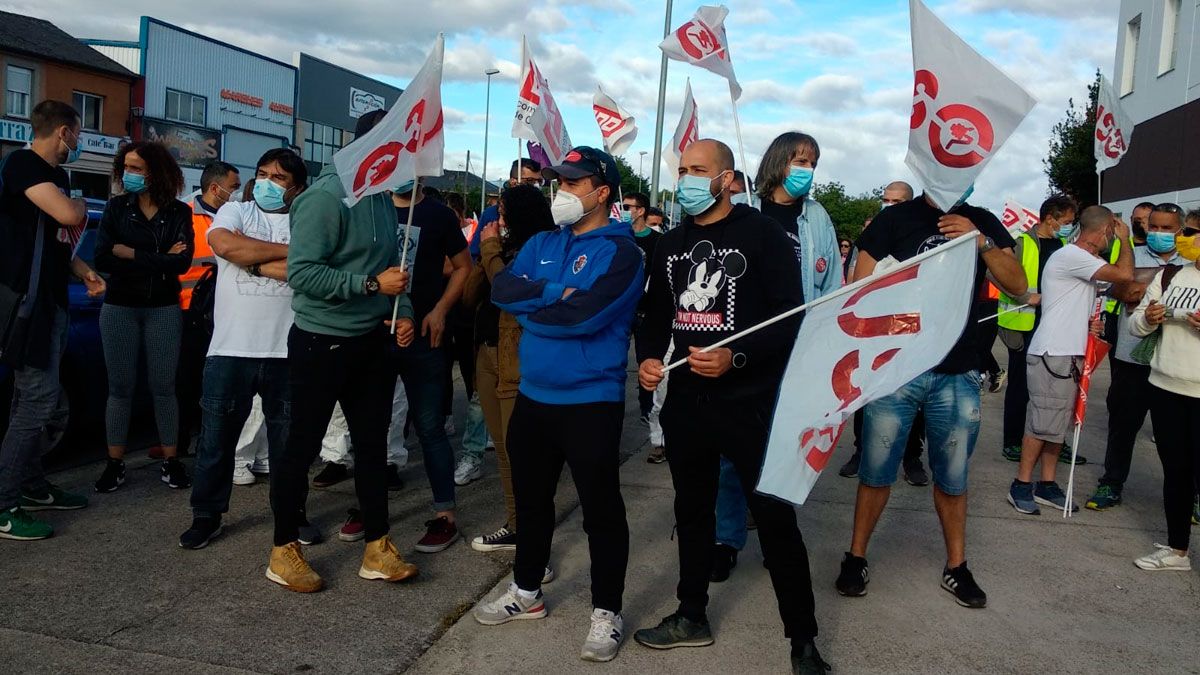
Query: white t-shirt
point(1068, 300)
point(252, 315)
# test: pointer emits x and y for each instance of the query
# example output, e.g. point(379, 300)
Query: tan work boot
point(381, 560)
point(289, 569)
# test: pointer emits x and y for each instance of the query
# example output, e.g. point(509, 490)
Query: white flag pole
point(518, 160)
point(1071, 480)
point(854, 287)
point(412, 206)
point(1014, 309)
point(737, 127)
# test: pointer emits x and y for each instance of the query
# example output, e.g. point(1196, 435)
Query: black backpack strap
point(1168, 274)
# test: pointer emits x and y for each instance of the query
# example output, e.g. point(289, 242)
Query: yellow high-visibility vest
point(1113, 306)
point(1022, 319)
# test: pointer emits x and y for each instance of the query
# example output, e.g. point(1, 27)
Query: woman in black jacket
point(144, 243)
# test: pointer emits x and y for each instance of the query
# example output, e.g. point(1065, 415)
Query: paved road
point(114, 593)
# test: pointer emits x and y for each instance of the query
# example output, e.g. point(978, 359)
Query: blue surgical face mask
point(404, 188)
point(1160, 242)
point(695, 193)
point(1065, 230)
point(798, 181)
point(626, 216)
point(73, 153)
point(268, 195)
point(134, 183)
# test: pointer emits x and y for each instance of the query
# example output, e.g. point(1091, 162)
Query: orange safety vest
point(201, 219)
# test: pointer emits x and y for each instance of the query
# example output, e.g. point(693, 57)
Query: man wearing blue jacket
point(574, 292)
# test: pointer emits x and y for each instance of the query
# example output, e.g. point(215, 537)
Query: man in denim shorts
point(948, 394)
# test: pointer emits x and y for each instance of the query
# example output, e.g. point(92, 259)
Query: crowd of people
point(326, 330)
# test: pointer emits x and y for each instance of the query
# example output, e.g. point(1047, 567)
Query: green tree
point(1071, 164)
point(630, 181)
point(847, 212)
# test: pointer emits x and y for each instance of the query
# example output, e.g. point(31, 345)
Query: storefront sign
point(192, 147)
point(101, 144)
point(15, 132)
point(280, 108)
point(247, 99)
point(363, 102)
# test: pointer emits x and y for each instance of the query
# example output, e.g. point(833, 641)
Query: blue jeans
point(731, 507)
point(951, 405)
point(422, 368)
point(230, 384)
point(38, 406)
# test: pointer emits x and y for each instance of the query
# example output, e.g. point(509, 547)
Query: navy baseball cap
point(584, 161)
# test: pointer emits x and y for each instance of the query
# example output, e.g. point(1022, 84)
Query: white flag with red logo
point(1018, 219)
point(859, 344)
point(964, 109)
point(537, 117)
point(686, 132)
point(702, 42)
point(617, 126)
point(1113, 128)
point(408, 141)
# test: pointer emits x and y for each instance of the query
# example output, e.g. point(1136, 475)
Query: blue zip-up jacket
point(817, 240)
point(574, 350)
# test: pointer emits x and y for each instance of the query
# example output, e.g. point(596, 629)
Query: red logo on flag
point(821, 264)
point(699, 41)
point(1108, 133)
point(960, 136)
point(379, 166)
point(609, 120)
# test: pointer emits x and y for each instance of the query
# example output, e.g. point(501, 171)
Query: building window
point(1133, 32)
point(186, 108)
point(1170, 33)
point(89, 107)
point(18, 85)
point(320, 142)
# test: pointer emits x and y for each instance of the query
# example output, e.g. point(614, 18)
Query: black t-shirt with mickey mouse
point(708, 282)
point(909, 229)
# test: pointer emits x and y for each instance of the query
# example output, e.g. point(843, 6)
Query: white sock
point(528, 595)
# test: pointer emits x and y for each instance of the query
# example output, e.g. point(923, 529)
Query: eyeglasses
point(536, 182)
point(1190, 231)
point(1167, 207)
point(628, 207)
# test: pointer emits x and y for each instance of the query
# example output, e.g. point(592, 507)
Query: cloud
point(829, 93)
point(1062, 9)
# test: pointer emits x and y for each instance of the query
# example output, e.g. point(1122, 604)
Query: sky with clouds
point(841, 71)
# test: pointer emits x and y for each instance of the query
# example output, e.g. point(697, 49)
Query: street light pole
point(642, 176)
point(662, 104)
point(487, 118)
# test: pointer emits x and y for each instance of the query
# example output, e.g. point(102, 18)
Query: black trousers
point(1016, 396)
point(323, 370)
point(1128, 402)
point(987, 332)
point(698, 432)
point(1177, 429)
point(189, 377)
point(587, 437)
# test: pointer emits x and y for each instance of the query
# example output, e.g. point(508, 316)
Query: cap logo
point(573, 156)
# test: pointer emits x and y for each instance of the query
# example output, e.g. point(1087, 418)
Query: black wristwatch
point(371, 285)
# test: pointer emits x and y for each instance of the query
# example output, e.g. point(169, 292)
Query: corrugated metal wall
point(188, 63)
point(130, 57)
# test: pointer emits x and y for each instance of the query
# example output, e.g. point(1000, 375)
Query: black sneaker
point(113, 476)
point(202, 531)
point(394, 482)
point(961, 583)
point(724, 560)
point(1064, 456)
point(806, 660)
point(850, 468)
point(332, 474)
point(502, 539)
point(174, 474)
point(914, 473)
point(675, 631)
point(854, 577)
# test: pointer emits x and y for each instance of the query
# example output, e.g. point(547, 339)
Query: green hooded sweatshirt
point(334, 248)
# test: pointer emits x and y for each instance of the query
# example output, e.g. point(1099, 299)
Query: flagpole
point(1071, 479)
point(737, 127)
point(1014, 309)
point(412, 206)
point(662, 105)
point(854, 287)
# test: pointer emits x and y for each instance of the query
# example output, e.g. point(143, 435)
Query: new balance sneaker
point(1064, 456)
point(855, 575)
point(961, 583)
point(18, 525)
point(352, 529)
point(914, 473)
point(996, 382)
point(381, 560)
point(724, 560)
point(113, 476)
point(202, 531)
point(309, 534)
point(440, 533)
point(289, 569)
point(332, 474)
point(850, 468)
point(1020, 495)
point(511, 606)
point(242, 475)
point(1164, 558)
point(394, 482)
point(604, 636)
point(175, 474)
point(1048, 493)
point(53, 499)
point(806, 660)
point(675, 631)
point(1012, 453)
point(1105, 498)
point(548, 575)
point(502, 539)
point(469, 469)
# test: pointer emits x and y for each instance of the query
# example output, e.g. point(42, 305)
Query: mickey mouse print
point(709, 299)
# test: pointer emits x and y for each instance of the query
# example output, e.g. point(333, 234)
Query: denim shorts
point(951, 405)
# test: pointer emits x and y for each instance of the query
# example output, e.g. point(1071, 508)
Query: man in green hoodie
point(342, 269)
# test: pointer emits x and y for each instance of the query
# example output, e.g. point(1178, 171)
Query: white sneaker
point(243, 476)
point(604, 637)
point(510, 606)
point(469, 469)
point(548, 576)
point(1164, 559)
